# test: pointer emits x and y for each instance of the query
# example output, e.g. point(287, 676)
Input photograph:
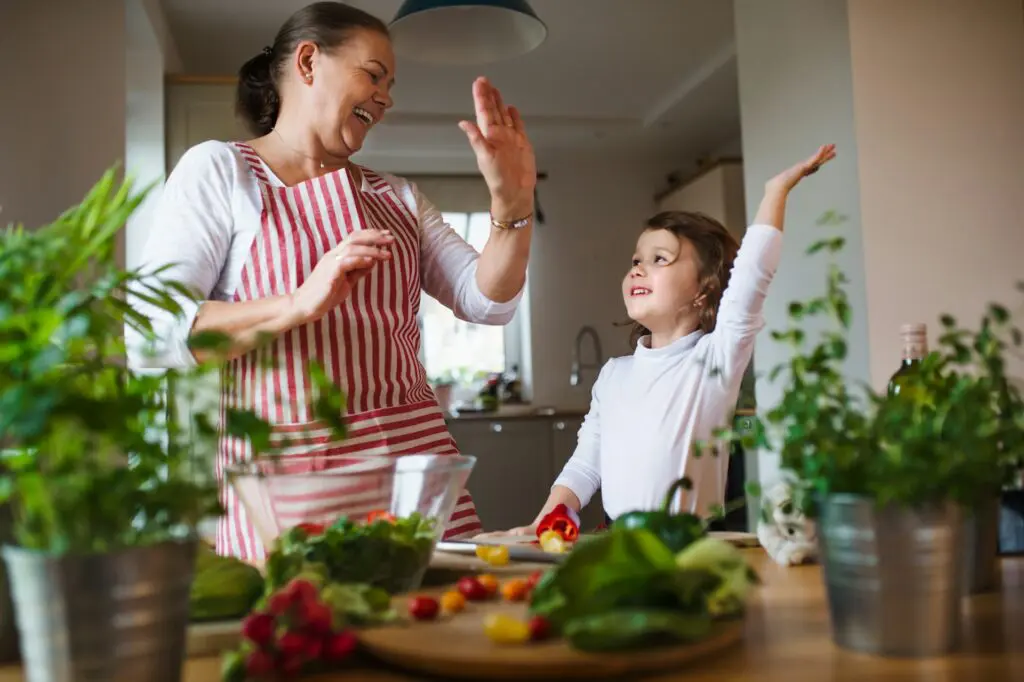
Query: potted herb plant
point(103, 501)
point(893, 480)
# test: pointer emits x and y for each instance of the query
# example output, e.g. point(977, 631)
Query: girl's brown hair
point(716, 250)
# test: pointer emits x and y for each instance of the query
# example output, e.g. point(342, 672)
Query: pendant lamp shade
point(466, 31)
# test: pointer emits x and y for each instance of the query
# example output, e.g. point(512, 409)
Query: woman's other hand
point(332, 279)
point(503, 152)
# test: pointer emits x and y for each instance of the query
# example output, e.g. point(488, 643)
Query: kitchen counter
point(540, 412)
point(787, 639)
point(522, 412)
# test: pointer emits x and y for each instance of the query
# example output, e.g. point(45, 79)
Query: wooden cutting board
point(457, 647)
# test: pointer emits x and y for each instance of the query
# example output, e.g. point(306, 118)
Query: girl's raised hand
point(789, 178)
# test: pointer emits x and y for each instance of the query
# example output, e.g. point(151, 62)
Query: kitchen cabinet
point(517, 461)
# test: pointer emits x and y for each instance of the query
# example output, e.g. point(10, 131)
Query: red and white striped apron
point(368, 345)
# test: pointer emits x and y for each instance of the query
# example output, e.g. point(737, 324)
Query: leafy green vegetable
point(632, 629)
point(621, 568)
point(360, 604)
point(626, 589)
point(725, 562)
point(392, 555)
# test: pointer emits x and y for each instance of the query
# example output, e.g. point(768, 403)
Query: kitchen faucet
point(574, 376)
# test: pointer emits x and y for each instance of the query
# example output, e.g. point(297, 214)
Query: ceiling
point(655, 77)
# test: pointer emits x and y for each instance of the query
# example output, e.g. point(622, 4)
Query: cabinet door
point(564, 433)
point(512, 474)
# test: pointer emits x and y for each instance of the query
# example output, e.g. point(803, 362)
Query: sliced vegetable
point(504, 629)
point(496, 555)
point(561, 520)
point(423, 608)
point(675, 530)
point(552, 541)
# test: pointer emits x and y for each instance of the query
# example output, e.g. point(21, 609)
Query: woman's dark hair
point(716, 250)
point(327, 24)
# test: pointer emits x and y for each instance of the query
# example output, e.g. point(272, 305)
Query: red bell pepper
point(563, 521)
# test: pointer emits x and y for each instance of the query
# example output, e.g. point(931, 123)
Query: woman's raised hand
point(332, 279)
point(503, 152)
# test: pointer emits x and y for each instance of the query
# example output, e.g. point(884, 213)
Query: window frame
point(515, 333)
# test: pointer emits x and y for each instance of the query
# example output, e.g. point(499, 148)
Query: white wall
point(62, 117)
point(718, 193)
point(939, 105)
point(791, 101)
point(145, 139)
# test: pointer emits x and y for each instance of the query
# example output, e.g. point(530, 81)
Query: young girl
point(697, 313)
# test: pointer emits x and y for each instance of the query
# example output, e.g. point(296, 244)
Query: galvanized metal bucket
point(893, 575)
point(981, 547)
point(117, 617)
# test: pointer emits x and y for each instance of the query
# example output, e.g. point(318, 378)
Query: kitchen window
point(454, 349)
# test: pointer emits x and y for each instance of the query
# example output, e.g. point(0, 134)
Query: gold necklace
point(296, 151)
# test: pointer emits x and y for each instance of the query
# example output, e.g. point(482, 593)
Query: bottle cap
point(914, 329)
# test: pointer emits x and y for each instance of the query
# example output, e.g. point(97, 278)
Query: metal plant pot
point(981, 547)
point(114, 617)
point(893, 575)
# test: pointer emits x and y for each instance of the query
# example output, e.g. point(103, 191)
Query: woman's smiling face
point(350, 90)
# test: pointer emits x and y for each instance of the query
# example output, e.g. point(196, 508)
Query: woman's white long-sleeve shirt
point(206, 220)
point(648, 409)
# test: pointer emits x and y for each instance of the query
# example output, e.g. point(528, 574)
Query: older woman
point(284, 236)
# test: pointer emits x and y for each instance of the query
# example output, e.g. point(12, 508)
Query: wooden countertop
point(787, 639)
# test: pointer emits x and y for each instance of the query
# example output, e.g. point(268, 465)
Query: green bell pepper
point(675, 530)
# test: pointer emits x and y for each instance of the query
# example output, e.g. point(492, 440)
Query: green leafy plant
point(94, 455)
point(956, 434)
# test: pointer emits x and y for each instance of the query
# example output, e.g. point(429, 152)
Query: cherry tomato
point(312, 529)
point(379, 515)
point(540, 628)
point(515, 589)
point(423, 608)
point(489, 582)
point(496, 555)
point(471, 589)
point(453, 602)
point(504, 629)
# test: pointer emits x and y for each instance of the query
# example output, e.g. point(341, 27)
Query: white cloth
point(205, 223)
point(647, 410)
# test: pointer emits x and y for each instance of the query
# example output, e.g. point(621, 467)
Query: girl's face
point(661, 287)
